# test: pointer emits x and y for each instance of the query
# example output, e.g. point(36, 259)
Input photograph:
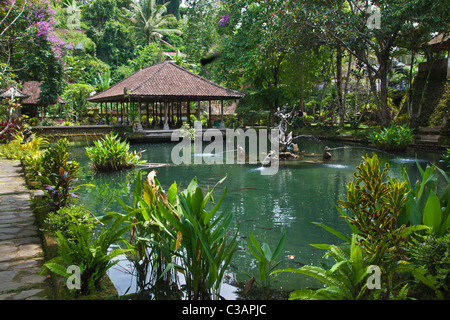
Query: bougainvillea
point(42, 22)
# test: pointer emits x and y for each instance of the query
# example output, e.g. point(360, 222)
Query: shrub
point(394, 138)
point(433, 253)
point(89, 251)
point(112, 154)
point(375, 202)
point(62, 192)
point(61, 221)
point(20, 150)
point(184, 229)
point(46, 165)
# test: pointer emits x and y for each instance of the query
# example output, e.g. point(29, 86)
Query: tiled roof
point(166, 81)
point(33, 89)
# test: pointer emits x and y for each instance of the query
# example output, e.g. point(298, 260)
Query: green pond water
point(299, 194)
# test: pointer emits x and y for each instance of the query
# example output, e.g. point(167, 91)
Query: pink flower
point(224, 20)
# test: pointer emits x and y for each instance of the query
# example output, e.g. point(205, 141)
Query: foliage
point(183, 233)
point(112, 154)
point(75, 95)
point(62, 192)
point(201, 238)
point(47, 165)
point(394, 138)
point(151, 19)
point(89, 251)
point(21, 150)
point(377, 207)
point(343, 281)
point(433, 254)
point(266, 259)
point(62, 222)
point(425, 204)
point(446, 156)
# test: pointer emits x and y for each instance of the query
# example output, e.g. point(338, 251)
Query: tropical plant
point(199, 237)
point(266, 259)
point(206, 253)
point(47, 165)
point(376, 205)
point(112, 154)
point(62, 192)
point(20, 149)
point(376, 202)
point(90, 252)
point(343, 281)
point(146, 235)
point(425, 205)
point(174, 231)
point(393, 138)
point(103, 81)
point(61, 221)
point(151, 18)
point(433, 254)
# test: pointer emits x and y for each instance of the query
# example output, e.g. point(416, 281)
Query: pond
point(299, 194)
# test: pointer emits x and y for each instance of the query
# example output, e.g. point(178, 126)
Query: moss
point(443, 107)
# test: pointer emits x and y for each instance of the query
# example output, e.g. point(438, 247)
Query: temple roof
point(33, 90)
point(165, 81)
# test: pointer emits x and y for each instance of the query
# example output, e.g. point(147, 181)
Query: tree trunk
point(384, 105)
point(339, 86)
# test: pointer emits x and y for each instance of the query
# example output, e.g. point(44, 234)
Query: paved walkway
point(21, 255)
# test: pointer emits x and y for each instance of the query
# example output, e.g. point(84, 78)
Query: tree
point(110, 31)
point(252, 54)
point(173, 7)
point(199, 31)
point(151, 19)
point(346, 22)
point(42, 59)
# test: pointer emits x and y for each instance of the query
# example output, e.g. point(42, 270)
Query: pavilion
point(164, 87)
point(32, 103)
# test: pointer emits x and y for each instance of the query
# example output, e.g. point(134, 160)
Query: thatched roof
point(33, 89)
point(12, 92)
point(441, 41)
point(165, 81)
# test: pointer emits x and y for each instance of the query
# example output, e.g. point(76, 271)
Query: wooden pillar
point(199, 112)
point(222, 125)
point(153, 115)
point(121, 113)
point(101, 109)
point(166, 118)
point(188, 115)
point(148, 114)
point(179, 114)
point(210, 124)
point(160, 115)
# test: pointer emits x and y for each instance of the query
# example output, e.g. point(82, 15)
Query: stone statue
point(285, 117)
point(327, 154)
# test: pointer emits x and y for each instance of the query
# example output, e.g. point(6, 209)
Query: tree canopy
point(314, 55)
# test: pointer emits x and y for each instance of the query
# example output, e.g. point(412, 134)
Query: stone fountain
point(287, 149)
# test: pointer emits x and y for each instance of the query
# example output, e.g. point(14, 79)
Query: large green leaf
point(338, 234)
point(277, 251)
point(432, 213)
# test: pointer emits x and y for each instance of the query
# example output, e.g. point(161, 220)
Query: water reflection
point(299, 194)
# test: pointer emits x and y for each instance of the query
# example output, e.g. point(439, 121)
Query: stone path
point(21, 255)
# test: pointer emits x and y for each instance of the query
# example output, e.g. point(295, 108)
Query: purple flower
point(224, 20)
